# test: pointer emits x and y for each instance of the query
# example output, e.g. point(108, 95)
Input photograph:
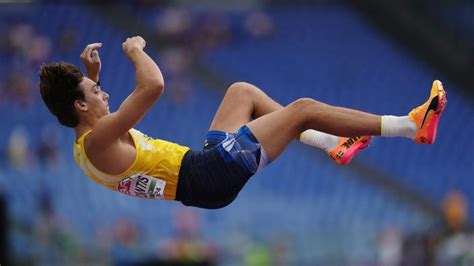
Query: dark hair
point(59, 87)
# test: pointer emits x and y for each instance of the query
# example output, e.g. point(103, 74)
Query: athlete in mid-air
point(249, 131)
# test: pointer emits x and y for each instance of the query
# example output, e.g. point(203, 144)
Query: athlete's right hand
point(132, 45)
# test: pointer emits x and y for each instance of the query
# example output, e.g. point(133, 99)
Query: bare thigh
point(242, 103)
point(276, 130)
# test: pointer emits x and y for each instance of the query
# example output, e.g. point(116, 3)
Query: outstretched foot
point(427, 116)
point(348, 148)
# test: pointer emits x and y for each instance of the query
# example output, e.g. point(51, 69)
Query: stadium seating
point(324, 211)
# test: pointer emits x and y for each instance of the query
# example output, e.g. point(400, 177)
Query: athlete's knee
point(303, 104)
point(241, 89)
point(304, 108)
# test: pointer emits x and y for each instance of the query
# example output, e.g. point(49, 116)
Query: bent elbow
point(154, 88)
point(158, 85)
point(159, 88)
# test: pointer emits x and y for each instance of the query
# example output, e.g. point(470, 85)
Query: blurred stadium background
point(396, 204)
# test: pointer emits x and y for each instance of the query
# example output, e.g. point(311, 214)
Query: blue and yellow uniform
point(211, 178)
point(153, 174)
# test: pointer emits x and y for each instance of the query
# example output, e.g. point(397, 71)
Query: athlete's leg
point(276, 130)
point(242, 102)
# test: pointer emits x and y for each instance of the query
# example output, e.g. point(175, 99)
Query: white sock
point(319, 140)
point(398, 126)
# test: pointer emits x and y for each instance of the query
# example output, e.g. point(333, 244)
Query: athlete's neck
point(81, 129)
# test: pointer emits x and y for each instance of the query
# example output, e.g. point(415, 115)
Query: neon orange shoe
point(348, 148)
point(427, 116)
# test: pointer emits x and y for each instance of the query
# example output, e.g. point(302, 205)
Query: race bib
point(142, 186)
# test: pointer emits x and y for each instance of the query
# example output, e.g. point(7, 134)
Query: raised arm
point(149, 88)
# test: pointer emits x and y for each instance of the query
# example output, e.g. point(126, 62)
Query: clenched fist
point(133, 44)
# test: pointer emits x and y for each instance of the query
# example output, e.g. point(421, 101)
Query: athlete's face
point(96, 100)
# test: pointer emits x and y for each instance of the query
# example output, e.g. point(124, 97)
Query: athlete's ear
point(80, 105)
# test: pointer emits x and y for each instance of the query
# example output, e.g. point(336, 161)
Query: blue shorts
point(241, 147)
point(212, 178)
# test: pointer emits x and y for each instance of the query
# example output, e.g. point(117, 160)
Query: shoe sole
point(352, 151)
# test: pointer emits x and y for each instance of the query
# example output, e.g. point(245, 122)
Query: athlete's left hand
point(91, 60)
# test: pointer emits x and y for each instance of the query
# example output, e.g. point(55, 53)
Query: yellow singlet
point(153, 174)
